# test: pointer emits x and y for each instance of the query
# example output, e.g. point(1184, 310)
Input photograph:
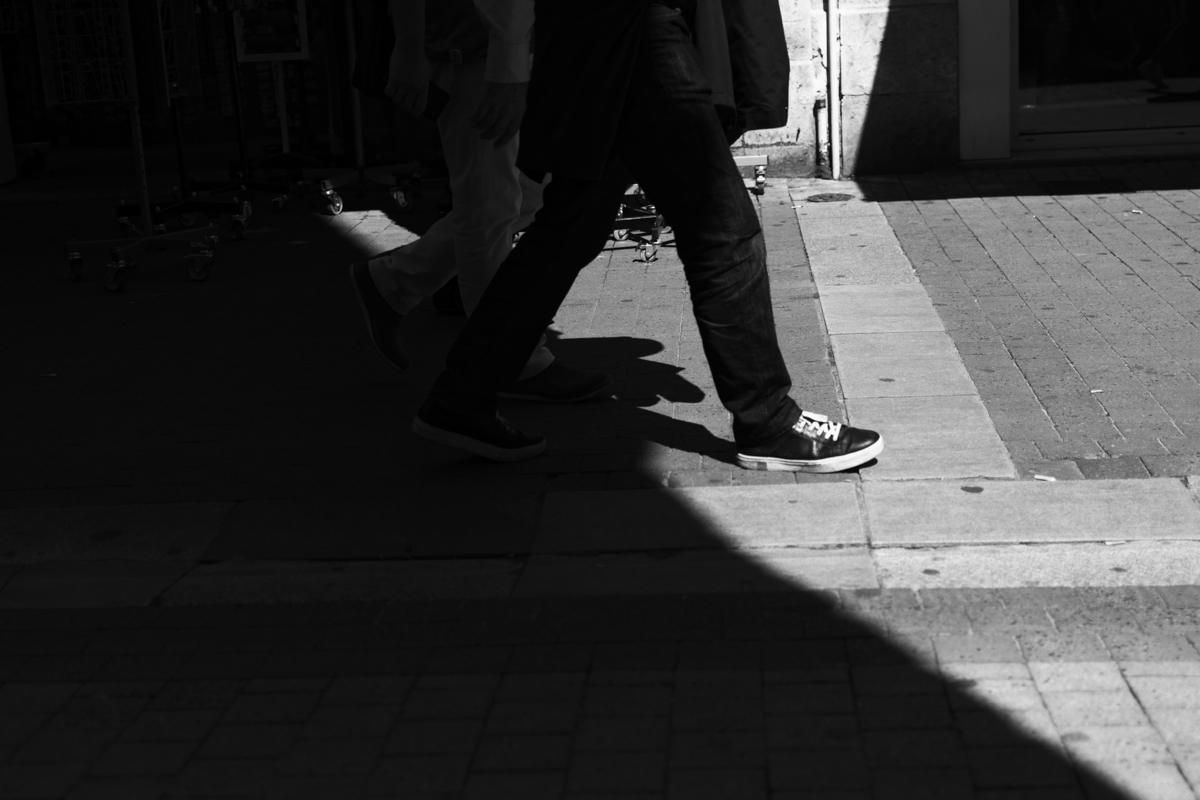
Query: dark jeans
point(672, 144)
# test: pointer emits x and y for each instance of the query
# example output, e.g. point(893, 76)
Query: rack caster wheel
point(160, 229)
point(620, 235)
point(335, 204)
point(279, 203)
point(125, 227)
point(199, 265)
point(398, 196)
point(238, 226)
point(112, 278)
point(75, 265)
point(187, 220)
point(247, 210)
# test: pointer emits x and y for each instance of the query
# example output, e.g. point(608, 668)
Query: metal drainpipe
point(833, 70)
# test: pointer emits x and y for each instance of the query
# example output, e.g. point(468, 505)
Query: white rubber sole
point(835, 464)
point(461, 442)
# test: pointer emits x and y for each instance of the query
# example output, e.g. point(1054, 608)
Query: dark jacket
point(584, 65)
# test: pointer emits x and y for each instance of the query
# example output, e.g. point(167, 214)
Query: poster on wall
point(270, 30)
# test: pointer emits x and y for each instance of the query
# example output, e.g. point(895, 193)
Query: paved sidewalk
point(228, 568)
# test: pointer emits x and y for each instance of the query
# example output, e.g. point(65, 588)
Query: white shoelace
point(815, 424)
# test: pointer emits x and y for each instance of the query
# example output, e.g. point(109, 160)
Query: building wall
point(899, 74)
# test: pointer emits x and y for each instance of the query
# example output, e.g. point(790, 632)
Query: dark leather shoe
point(814, 444)
point(491, 438)
point(558, 383)
point(383, 322)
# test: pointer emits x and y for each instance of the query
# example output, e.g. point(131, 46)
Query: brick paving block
point(984, 648)
point(1128, 646)
point(906, 712)
point(359, 690)
point(1062, 647)
point(16, 728)
point(862, 650)
point(290, 707)
point(1162, 669)
point(614, 734)
point(37, 781)
point(1172, 466)
point(1099, 676)
point(532, 717)
point(463, 703)
point(433, 681)
point(547, 686)
point(61, 668)
point(716, 784)
point(142, 758)
point(226, 778)
point(330, 756)
point(894, 680)
point(467, 660)
point(523, 753)
point(1011, 767)
point(813, 732)
point(1008, 619)
point(434, 736)
point(181, 725)
point(350, 722)
point(916, 783)
point(1083, 709)
point(521, 786)
point(1112, 468)
point(922, 748)
point(1180, 596)
point(718, 748)
point(316, 787)
point(635, 657)
point(533, 659)
point(285, 685)
point(627, 701)
point(1160, 781)
point(249, 741)
point(718, 683)
point(180, 695)
point(980, 728)
point(827, 698)
point(35, 698)
point(1161, 691)
point(817, 770)
point(719, 655)
point(616, 772)
point(419, 776)
point(121, 788)
point(54, 744)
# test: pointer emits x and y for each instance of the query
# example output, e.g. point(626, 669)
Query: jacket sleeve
point(510, 27)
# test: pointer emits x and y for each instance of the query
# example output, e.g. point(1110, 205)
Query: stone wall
point(899, 105)
point(899, 85)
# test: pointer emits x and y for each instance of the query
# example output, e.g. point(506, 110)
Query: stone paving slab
point(920, 364)
point(168, 530)
point(700, 519)
point(932, 437)
point(1122, 563)
point(686, 572)
point(987, 512)
point(878, 309)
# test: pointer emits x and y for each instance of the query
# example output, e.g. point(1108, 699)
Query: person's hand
point(408, 80)
point(500, 111)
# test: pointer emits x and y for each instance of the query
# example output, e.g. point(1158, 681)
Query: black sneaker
point(558, 383)
point(383, 321)
point(491, 438)
point(814, 444)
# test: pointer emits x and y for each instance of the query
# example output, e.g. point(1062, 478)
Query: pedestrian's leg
point(673, 143)
point(407, 275)
point(571, 228)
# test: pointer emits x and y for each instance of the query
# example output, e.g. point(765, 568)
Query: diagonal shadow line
point(727, 679)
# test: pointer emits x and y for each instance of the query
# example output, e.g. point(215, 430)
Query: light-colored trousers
point(492, 200)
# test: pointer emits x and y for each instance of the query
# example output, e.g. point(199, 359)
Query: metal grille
point(180, 53)
point(86, 51)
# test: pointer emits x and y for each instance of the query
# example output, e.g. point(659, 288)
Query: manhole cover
point(829, 198)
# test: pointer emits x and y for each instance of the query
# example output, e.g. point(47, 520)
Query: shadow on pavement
point(688, 672)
